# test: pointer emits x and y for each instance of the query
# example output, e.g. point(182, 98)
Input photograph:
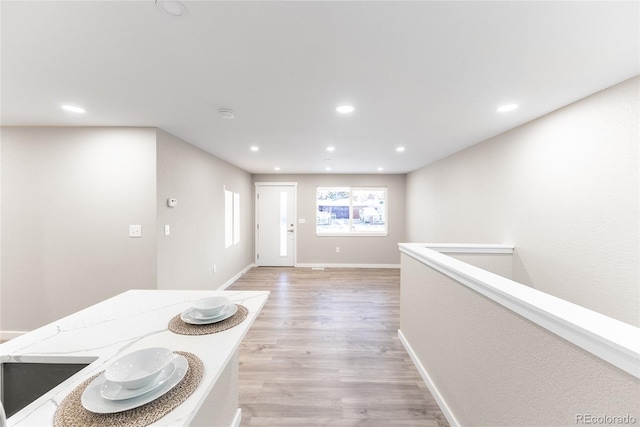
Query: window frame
point(231, 218)
point(351, 232)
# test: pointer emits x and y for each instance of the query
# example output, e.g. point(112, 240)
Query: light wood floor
point(325, 352)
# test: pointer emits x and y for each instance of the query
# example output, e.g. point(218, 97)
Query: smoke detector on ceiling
point(226, 113)
point(171, 7)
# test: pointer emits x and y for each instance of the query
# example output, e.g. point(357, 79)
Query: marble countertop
point(127, 322)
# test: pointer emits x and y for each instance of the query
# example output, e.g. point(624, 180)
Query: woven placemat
point(181, 327)
point(71, 413)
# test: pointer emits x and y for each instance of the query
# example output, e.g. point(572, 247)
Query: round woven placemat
point(71, 413)
point(181, 327)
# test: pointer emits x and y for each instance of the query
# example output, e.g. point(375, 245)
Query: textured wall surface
point(197, 180)
point(563, 189)
point(495, 368)
point(501, 264)
point(68, 198)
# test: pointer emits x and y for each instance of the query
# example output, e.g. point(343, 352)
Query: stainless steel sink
point(23, 382)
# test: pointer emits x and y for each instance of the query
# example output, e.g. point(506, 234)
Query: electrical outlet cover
point(135, 231)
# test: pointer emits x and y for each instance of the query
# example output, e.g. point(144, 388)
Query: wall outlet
point(337, 249)
point(167, 230)
point(135, 231)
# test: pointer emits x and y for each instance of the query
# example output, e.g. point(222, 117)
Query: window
point(228, 218)
point(236, 218)
point(231, 218)
point(351, 211)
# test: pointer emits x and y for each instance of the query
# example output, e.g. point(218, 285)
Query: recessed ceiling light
point(328, 168)
point(255, 148)
point(172, 7)
point(400, 149)
point(380, 169)
point(73, 109)
point(277, 168)
point(506, 107)
point(345, 109)
point(330, 148)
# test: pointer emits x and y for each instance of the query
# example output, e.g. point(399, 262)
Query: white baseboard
point(236, 277)
point(320, 265)
point(427, 380)
point(237, 419)
point(8, 335)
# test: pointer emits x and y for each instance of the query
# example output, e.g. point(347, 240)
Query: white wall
point(68, 197)
point(197, 180)
point(495, 368)
point(562, 189)
point(370, 250)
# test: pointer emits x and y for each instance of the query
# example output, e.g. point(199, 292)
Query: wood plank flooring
point(325, 352)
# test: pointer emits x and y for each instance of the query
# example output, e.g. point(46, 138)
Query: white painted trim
point(430, 384)
point(470, 248)
point(329, 265)
point(9, 335)
point(609, 339)
point(236, 277)
point(237, 419)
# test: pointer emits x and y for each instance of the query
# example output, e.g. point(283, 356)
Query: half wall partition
point(497, 353)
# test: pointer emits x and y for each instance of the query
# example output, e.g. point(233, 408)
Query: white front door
point(275, 224)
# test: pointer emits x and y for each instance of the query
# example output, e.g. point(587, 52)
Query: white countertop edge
point(36, 345)
point(251, 317)
point(611, 340)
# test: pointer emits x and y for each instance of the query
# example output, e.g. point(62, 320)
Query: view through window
point(351, 211)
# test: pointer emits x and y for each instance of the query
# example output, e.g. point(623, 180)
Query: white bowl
point(210, 306)
point(139, 368)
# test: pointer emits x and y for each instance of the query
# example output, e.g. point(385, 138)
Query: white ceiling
point(424, 75)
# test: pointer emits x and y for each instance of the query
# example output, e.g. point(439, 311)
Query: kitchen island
point(130, 321)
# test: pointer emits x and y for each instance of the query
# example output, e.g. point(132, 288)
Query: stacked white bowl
point(210, 307)
point(140, 368)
